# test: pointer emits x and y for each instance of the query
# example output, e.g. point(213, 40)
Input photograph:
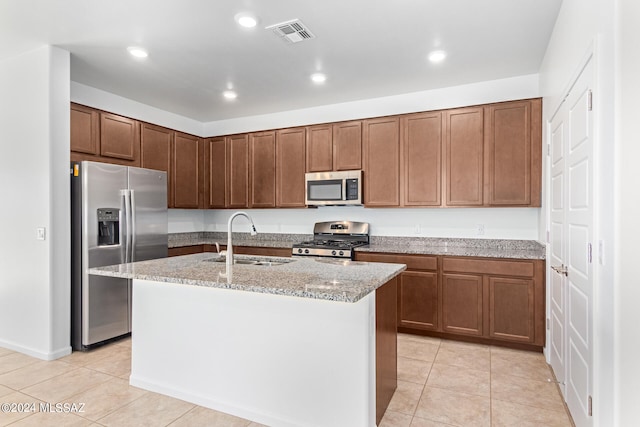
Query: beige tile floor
point(440, 383)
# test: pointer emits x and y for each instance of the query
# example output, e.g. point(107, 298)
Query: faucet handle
point(217, 247)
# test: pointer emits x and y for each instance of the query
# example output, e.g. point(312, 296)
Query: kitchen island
point(287, 342)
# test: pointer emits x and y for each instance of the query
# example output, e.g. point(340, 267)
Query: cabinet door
point(119, 138)
point(464, 156)
point(238, 171)
point(85, 130)
point(462, 304)
point(511, 309)
point(418, 300)
point(319, 148)
point(155, 150)
point(511, 151)
point(215, 166)
point(381, 139)
point(262, 170)
point(347, 146)
point(186, 171)
point(290, 168)
point(421, 136)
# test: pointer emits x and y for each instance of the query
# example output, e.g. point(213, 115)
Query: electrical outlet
point(480, 229)
point(417, 229)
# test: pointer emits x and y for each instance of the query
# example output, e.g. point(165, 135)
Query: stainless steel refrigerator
point(118, 215)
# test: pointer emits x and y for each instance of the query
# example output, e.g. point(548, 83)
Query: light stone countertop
point(484, 248)
point(327, 279)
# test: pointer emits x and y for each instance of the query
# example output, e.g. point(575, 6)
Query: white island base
point(277, 360)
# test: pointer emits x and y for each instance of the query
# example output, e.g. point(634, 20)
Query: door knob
point(561, 270)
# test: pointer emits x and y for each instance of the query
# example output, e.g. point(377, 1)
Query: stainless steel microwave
point(333, 188)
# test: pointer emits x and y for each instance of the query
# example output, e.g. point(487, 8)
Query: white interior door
point(571, 233)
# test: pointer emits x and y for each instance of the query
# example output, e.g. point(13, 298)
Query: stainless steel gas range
point(335, 239)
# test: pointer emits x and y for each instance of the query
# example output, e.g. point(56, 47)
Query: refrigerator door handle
point(127, 220)
point(132, 197)
point(124, 229)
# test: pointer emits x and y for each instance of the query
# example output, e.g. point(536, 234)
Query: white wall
point(96, 98)
point(585, 26)
point(506, 223)
point(520, 87)
point(34, 176)
point(627, 206)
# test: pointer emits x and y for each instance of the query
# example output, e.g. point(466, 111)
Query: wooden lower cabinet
point(462, 304)
point(418, 300)
point(386, 346)
point(486, 300)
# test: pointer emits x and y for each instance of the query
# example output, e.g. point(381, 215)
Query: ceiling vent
point(293, 31)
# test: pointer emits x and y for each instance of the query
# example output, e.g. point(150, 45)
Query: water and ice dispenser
point(108, 226)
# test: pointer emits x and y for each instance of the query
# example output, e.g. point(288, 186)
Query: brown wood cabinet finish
point(85, 130)
point(186, 250)
point(119, 137)
point(462, 304)
point(464, 156)
point(418, 300)
point(421, 143)
point(290, 168)
point(511, 309)
point(381, 163)
point(319, 147)
point(347, 146)
point(238, 171)
point(508, 172)
point(262, 173)
point(187, 165)
point(216, 174)
point(386, 346)
point(155, 150)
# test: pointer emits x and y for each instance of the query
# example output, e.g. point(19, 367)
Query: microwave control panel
point(352, 189)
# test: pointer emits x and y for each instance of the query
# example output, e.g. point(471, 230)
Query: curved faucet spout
point(229, 260)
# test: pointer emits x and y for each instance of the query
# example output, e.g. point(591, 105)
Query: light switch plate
point(41, 233)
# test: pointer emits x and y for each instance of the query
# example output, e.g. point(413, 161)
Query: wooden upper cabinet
point(319, 147)
point(513, 153)
point(155, 150)
point(421, 142)
point(215, 166)
point(186, 167)
point(238, 171)
point(381, 162)
point(262, 174)
point(290, 168)
point(347, 146)
point(85, 130)
point(119, 137)
point(464, 157)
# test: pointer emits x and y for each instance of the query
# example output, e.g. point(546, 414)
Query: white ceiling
point(367, 48)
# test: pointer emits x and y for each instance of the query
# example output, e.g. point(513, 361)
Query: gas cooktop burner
point(334, 239)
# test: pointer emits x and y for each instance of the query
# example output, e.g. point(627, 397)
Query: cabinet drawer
point(489, 266)
point(413, 262)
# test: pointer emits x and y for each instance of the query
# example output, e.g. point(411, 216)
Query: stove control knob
point(306, 251)
point(341, 253)
point(333, 252)
point(299, 250)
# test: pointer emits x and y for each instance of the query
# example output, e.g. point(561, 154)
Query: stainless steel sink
point(262, 262)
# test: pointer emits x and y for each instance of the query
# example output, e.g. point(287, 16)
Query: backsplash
point(496, 223)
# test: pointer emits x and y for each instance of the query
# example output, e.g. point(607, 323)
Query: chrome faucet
point(229, 260)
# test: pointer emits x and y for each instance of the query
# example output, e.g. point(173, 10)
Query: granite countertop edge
point(303, 277)
point(483, 248)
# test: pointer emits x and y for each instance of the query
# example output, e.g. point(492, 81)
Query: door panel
point(571, 228)
point(149, 207)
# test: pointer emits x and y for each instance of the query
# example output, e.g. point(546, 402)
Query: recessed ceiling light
point(246, 20)
point(138, 52)
point(318, 78)
point(229, 94)
point(437, 56)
